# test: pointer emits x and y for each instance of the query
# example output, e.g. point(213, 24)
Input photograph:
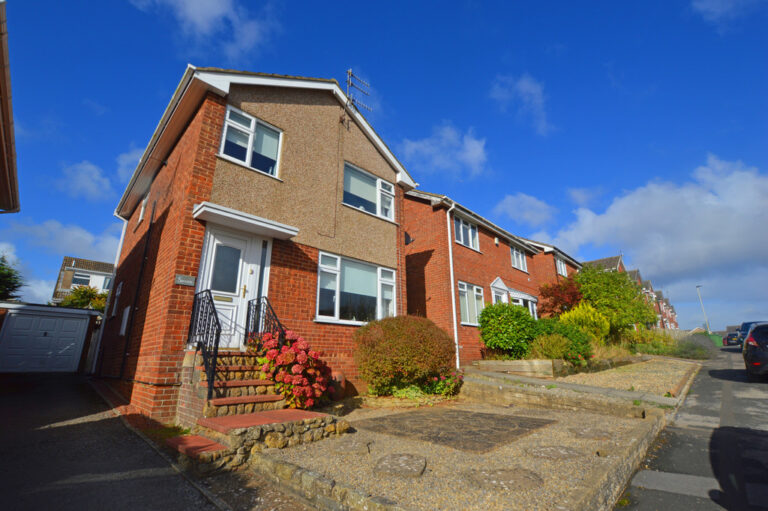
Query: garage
point(36, 338)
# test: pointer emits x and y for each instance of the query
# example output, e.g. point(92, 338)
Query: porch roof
point(232, 218)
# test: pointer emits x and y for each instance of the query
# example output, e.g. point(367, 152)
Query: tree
point(85, 297)
point(617, 297)
point(10, 280)
point(559, 297)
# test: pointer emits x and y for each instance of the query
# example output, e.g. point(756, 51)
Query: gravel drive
point(560, 457)
point(657, 376)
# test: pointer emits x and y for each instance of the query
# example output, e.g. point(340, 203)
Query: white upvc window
point(471, 303)
point(369, 193)
point(116, 298)
point(518, 259)
point(250, 141)
point(466, 233)
point(354, 292)
point(500, 295)
point(561, 268)
point(124, 320)
point(81, 279)
point(528, 304)
point(143, 209)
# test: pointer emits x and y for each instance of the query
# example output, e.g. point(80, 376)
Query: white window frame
point(472, 229)
point(381, 279)
point(143, 209)
point(383, 189)
point(471, 291)
point(124, 320)
point(531, 306)
point(562, 269)
point(503, 293)
point(81, 275)
point(116, 298)
point(518, 259)
point(250, 131)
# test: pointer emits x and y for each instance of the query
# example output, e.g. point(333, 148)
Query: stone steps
point(226, 372)
point(237, 388)
point(222, 406)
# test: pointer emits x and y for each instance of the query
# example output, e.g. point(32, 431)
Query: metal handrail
point(205, 334)
point(262, 319)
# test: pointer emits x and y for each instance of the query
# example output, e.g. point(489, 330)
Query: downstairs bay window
point(352, 291)
point(471, 303)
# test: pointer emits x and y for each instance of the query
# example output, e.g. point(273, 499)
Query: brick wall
point(161, 318)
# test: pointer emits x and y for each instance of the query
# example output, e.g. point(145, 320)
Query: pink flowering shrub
point(300, 375)
point(443, 384)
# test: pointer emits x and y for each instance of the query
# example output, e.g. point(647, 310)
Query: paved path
point(61, 449)
point(714, 454)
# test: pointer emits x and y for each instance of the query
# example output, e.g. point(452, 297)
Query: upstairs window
point(518, 259)
point(81, 279)
point(369, 193)
point(466, 233)
point(107, 283)
point(250, 141)
point(561, 268)
point(471, 303)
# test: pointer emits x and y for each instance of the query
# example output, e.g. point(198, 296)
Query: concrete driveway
point(61, 449)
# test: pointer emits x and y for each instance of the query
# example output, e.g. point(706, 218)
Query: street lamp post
point(702, 309)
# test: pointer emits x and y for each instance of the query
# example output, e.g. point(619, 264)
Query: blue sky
point(604, 127)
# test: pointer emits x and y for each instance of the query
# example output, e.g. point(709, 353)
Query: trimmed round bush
point(579, 348)
point(587, 319)
point(394, 353)
point(549, 346)
point(507, 327)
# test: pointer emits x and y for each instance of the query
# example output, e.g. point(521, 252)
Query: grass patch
point(551, 386)
point(716, 339)
point(680, 349)
point(610, 351)
point(637, 402)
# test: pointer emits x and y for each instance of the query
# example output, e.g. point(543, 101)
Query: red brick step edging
point(193, 445)
point(228, 423)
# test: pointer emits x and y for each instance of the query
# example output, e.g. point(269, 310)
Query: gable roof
point(647, 285)
point(194, 84)
point(437, 200)
point(546, 247)
point(606, 263)
point(635, 275)
point(78, 263)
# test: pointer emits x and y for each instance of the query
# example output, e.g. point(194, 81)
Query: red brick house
point(613, 263)
point(457, 261)
point(252, 186)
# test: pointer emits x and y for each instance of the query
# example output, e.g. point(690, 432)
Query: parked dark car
point(755, 351)
point(744, 328)
point(731, 338)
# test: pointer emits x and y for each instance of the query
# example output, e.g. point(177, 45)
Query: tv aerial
point(356, 85)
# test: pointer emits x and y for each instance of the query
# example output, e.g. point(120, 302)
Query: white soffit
point(234, 219)
point(514, 293)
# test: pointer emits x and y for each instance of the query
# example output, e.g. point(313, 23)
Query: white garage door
point(36, 342)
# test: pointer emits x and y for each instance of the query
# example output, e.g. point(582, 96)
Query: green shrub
point(587, 319)
point(507, 327)
point(579, 348)
point(549, 346)
point(394, 353)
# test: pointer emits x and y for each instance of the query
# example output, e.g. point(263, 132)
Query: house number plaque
point(184, 280)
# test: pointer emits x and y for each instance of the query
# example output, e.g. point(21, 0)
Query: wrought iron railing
point(262, 319)
point(205, 333)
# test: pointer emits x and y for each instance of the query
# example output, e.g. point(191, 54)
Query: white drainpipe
point(453, 283)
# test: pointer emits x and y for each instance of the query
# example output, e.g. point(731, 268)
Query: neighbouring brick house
point(252, 185)
point(457, 261)
point(75, 272)
point(551, 264)
point(613, 263)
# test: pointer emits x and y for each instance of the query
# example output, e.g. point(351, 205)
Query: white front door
point(232, 267)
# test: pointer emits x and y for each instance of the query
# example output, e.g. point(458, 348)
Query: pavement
point(63, 449)
point(714, 453)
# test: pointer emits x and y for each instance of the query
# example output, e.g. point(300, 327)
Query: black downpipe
point(138, 291)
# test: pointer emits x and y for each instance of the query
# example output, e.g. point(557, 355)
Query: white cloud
point(37, 291)
point(224, 23)
point(85, 180)
point(526, 95)
point(447, 150)
point(126, 163)
point(95, 107)
point(718, 11)
point(583, 196)
point(9, 251)
point(525, 209)
point(60, 239)
point(708, 230)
